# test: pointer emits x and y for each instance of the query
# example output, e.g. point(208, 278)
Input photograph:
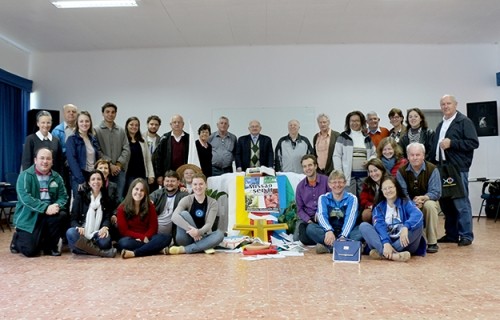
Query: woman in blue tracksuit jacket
point(397, 230)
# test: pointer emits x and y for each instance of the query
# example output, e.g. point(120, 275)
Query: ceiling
point(37, 26)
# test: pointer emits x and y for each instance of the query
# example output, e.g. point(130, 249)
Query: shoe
point(401, 256)
point(447, 239)
point(164, 251)
point(432, 248)
point(13, 248)
point(374, 254)
point(126, 254)
point(176, 250)
point(321, 248)
point(464, 242)
point(210, 251)
point(53, 253)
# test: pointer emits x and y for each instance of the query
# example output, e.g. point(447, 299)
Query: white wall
point(331, 79)
point(14, 60)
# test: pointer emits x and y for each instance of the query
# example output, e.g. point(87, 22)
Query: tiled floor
point(455, 283)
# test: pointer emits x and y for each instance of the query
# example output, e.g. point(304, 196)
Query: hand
point(366, 215)
point(81, 186)
point(329, 238)
point(159, 181)
point(194, 233)
point(114, 219)
point(81, 230)
point(388, 251)
point(103, 232)
point(445, 143)
point(403, 237)
point(151, 180)
point(115, 170)
point(52, 209)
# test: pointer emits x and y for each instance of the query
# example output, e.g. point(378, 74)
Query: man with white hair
point(324, 144)
point(376, 132)
point(290, 149)
point(254, 150)
point(223, 148)
point(421, 182)
point(454, 142)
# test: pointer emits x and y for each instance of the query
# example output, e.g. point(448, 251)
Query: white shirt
point(442, 134)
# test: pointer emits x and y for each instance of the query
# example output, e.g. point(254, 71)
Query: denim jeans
point(317, 234)
point(72, 235)
point(120, 181)
point(458, 214)
point(208, 241)
point(141, 249)
point(372, 238)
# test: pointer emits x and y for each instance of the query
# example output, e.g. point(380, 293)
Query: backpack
point(494, 188)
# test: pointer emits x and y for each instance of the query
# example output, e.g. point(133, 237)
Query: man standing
point(337, 214)
point(306, 197)
point(324, 144)
point(114, 145)
point(67, 127)
point(254, 150)
point(376, 133)
point(40, 207)
point(223, 148)
point(454, 142)
point(173, 150)
point(166, 200)
point(290, 149)
point(421, 182)
point(152, 139)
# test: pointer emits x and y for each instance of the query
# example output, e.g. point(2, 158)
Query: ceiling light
point(94, 4)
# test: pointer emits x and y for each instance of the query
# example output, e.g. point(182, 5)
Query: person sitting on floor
point(397, 229)
point(371, 188)
point(336, 215)
point(195, 219)
point(138, 223)
point(90, 213)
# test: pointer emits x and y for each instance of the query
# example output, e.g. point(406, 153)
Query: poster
point(261, 194)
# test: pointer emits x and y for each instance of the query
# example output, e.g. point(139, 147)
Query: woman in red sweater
point(138, 223)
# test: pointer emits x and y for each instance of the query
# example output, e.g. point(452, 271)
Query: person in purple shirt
point(306, 196)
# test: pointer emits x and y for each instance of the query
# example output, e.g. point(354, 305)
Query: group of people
point(110, 171)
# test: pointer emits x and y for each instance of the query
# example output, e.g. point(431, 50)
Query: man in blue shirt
point(336, 215)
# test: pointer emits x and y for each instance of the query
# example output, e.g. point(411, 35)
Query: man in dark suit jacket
point(244, 146)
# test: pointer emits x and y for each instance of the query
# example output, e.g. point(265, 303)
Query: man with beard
point(152, 139)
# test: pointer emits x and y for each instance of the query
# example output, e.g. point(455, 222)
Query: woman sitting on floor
point(138, 223)
point(371, 188)
point(195, 218)
point(89, 231)
point(397, 227)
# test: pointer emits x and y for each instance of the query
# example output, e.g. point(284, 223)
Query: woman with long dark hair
point(138, 223)
point(417, 130)
point(371, 188)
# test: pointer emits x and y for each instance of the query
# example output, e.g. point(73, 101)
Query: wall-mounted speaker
point(32, 128)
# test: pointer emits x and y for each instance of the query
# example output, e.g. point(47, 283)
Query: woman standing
point(42, 139)
point(417, 131)
point(204, 150)
point(397, 227)
point(82, 151)
point(371, 188)
point(396, 118)
point(352, 150)
point(138, 223)
point(140, 165)
point(195, 219)
point(89, 231)
point(389, 151)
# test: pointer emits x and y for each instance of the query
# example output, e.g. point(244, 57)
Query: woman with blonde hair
point(391, 154)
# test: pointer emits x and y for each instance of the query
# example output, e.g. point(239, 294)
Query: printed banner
point(261, 194)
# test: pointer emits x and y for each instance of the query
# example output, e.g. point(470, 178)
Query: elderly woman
point(42, 139)
point(89, 231)
point(352, 150)
point(204, 149)
point(397, 230)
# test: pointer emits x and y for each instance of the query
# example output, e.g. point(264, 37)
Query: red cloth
point(135, 227)
point(271, 250)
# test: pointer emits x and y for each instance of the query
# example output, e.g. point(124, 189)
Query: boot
point(88, 246)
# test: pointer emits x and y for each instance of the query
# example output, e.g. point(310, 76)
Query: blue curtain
point(14, 105)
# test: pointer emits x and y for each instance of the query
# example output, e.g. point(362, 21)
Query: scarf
point(389, 163)
point(94, 216)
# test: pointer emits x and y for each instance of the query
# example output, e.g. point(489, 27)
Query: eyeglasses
point(388, 188)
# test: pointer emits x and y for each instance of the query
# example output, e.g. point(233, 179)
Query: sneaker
point(464, 242)
point(447, 239)
point(164, 251)
point(432, 248)
point(13, 248)
point(321, 248)
point(374, 254)
point(401, 256)
point(210, 251)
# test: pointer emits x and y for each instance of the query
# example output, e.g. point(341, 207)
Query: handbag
point(346, 250)
point(451, 183)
